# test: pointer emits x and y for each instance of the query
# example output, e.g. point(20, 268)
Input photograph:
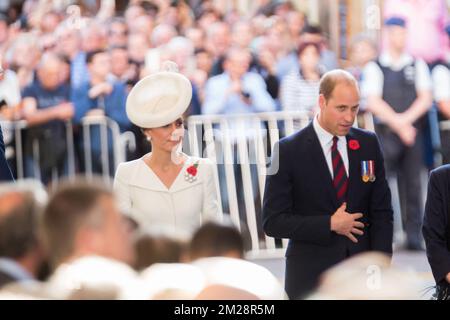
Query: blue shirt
point(113, 104)
point(79, 73)
point(49, 135)
point(218, 102)
point(46, 98)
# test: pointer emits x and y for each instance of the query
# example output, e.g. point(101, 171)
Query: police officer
point(398, 91)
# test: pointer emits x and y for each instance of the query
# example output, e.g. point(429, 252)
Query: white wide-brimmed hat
point(159, 99)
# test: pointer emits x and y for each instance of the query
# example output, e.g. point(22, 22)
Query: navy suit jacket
point(299, 200)
point(5, 172)
point(436, 224)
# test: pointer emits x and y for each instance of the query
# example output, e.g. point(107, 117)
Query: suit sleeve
point(380, 213)
point(434, 226)
point(279, 220)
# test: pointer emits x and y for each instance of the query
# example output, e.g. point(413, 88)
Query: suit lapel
point(319, 162)
point(354, 168)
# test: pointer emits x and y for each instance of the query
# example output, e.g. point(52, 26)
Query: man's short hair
point(237, 51)
point(18, 227)
point(47, 58)
point(332, 78)
point(361, 38)
point(20, 207)
point(151, 249)
point(69, 209)
point(117, 20)
point(312, 29)
point(303, 45)
point(91, 54)
point(215, 239)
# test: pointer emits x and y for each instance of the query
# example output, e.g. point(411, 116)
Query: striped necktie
point(340, 179)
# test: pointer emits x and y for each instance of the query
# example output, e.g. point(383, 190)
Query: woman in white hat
point(165, 188)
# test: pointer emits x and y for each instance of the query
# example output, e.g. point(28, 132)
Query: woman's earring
point(149, 138)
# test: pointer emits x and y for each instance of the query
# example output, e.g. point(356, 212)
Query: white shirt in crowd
point(441, 83)
point(10, 89)
point(296, 93)
point(373, 78)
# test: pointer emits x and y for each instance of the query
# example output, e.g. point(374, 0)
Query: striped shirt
point(296, 93)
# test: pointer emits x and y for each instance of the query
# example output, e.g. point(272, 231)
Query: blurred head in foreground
point(367, 276)
point(82, 219)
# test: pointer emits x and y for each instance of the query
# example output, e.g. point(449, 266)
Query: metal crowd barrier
point(13, 130)
point(216, 136)
point(120, 143)
point(208, 132)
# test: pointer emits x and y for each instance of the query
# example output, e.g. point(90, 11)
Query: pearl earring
point(149, 139)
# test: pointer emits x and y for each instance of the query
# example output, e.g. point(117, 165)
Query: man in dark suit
point(329, 195)
point(5, 172)
point(436, 229)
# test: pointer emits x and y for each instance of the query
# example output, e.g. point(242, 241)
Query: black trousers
point(405, 163)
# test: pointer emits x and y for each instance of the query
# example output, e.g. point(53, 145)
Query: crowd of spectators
point(67, 60)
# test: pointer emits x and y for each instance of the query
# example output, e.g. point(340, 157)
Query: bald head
point(237, 62)
point(224, 292)
point(9, 201)
point(49, 60)
point(332, 78)
point(49, 71)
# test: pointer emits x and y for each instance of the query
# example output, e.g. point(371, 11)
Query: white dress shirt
point(10, 89)
point(181, 208)
point(326, 142)
point(441, 83)
point(373, 78)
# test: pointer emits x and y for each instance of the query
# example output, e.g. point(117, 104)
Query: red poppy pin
point(191, 173)
point(353, 144)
